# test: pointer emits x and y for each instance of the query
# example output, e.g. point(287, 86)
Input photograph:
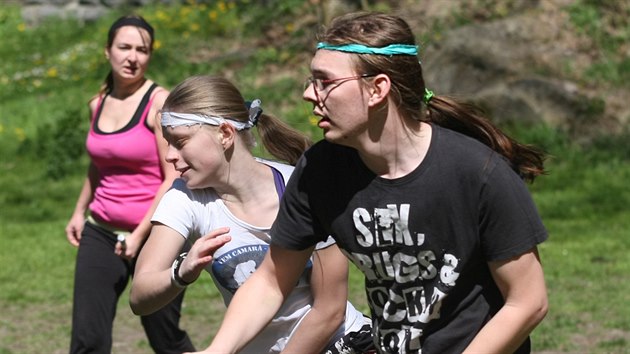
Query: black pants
point(100, 278)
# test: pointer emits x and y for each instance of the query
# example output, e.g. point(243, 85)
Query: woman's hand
point(202, 253)
point(130, 247)
point(152, 286)
point(74, 228)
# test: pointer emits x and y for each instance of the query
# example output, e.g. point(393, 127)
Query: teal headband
point(392, 49)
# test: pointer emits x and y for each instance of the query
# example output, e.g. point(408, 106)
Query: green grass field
point(47, 75)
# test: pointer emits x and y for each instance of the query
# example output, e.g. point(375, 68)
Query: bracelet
point(176, 279)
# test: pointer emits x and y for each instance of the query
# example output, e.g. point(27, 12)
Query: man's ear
point(227, 133)
point(379, 89)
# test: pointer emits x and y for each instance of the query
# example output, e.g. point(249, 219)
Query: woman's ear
point(227, 133)
point(379, 89)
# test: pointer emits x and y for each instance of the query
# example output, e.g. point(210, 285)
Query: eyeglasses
point(320, 86)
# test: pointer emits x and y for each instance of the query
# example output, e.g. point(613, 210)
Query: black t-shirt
point(422, 241)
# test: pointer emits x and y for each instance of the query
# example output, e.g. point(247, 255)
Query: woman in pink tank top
point(126, 178)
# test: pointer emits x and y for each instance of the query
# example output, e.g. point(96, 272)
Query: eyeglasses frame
point(325, 82)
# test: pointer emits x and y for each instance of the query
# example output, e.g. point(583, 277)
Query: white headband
point(174, 119)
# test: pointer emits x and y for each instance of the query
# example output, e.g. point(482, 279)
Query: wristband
point(176, 279)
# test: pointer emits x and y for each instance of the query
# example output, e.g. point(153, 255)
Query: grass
point(606, 23)
point(584, 205)
point(48, 74)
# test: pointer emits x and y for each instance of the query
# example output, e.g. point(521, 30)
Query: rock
point(34, 11)
point(510, 67)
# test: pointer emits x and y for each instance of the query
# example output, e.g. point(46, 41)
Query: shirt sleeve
point(175, 209)
point(509, 221)
point(296, 227)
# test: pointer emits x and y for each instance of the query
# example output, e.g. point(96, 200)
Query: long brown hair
point(408, 87)
point(216, 96)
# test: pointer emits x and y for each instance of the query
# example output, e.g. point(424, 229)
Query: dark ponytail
point(468, 119)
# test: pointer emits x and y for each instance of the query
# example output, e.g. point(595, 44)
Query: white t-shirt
point(194, 213)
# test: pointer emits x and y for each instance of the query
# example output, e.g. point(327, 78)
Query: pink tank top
point(129, 169)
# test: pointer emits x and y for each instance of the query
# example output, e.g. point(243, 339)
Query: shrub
point(59, 144)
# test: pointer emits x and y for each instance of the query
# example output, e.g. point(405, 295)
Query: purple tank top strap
point(279, 181)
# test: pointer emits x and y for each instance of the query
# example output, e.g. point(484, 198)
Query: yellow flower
point(194, 27)
point(21, 27)
point(52, 72)
point(37, 83)
point(289, 27)
point(221, 6)
point(313, 120)
point(161, 15)
point(157, 44)
point(19, 133)
point(212, 15)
